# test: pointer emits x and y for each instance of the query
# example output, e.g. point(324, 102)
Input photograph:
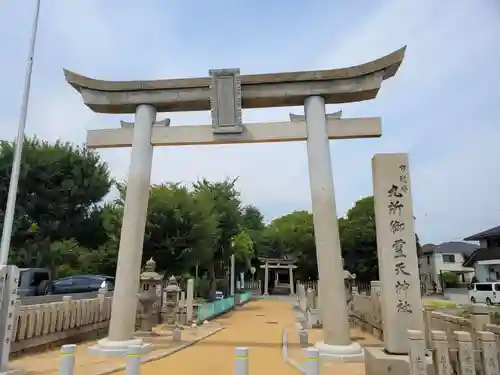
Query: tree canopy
point(64, 222)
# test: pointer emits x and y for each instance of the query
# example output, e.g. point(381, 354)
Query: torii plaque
point(225, 93)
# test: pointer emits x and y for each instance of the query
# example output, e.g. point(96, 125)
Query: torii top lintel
point(353, 84)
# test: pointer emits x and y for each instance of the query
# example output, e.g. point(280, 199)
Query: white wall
point(433, 265)
point(455, 266)
point(487, 272)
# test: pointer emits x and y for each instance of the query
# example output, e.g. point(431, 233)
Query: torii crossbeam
point(225, 93)
point(189, 135)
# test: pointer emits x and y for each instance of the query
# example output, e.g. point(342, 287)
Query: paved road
point(457, 295)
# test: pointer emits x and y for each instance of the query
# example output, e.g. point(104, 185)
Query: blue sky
point(442, 107)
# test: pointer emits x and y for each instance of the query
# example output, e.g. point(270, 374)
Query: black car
point(82, 284)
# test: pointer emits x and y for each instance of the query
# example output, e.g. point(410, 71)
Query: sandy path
point(257, 325)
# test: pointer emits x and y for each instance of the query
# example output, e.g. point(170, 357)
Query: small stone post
point(488, 346)
point(418, 365)
point(9, 278)
point(66, 311)
point(428, 310)
point(182, 302)
point(465, 353)
point(232, 276)
point(189, 300)
point(441, 357)
point(101, 296)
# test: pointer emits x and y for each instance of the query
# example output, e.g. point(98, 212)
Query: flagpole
point(16, 165)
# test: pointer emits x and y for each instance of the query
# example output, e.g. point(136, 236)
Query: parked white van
point(486, 292)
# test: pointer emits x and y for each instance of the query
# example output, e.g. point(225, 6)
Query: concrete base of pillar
point(379, 362)
point(12, 371)
point(146, 334)
point(341, 353)
point(107, 347)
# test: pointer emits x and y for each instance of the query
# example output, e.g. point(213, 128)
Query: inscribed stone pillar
point(397, 253)
point(292, 291)
point(189, 299)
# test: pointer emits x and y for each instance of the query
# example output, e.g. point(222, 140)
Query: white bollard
point(312, 366)
point(241, 361)
point(133, 364)
point(176, 334)
point(67, 361)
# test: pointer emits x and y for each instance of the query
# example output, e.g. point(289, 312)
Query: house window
point(428, 259)
point(448, 258)
point(493, 242)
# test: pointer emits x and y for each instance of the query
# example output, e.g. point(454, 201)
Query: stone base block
point(379, 362)
point(146, 334)
point(12, 371)
point(341, 353)
point(312, 317)
point(107, 347)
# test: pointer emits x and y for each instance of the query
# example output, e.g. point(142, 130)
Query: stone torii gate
point(225, 93)
point(283, 263)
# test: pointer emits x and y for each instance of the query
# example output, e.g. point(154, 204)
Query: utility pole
point(16, 164)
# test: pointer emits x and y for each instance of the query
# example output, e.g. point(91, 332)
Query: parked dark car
point(34, 282)
point(81, 284)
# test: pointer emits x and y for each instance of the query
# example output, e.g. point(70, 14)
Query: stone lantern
point(172, 295)
point(349, 282)
point(149, 281)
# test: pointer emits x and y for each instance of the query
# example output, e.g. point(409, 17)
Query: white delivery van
point(486, 292)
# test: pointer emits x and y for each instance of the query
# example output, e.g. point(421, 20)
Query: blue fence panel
point(245, 296)
point(211, 309)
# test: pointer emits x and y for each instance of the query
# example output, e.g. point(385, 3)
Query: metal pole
point(16, 165)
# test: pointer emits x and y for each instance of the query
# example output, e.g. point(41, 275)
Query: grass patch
point(441, 304)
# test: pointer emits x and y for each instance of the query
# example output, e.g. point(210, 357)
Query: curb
point(162, 355)
point(285, 356)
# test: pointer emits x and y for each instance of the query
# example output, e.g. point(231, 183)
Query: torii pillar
point(224, 94)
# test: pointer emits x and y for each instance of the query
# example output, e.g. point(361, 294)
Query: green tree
point(179, 228)
point(253, 223)
point(293, 235)
point(243, 249)
point(60, 186)
point(224, 204)
point(359, 241)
